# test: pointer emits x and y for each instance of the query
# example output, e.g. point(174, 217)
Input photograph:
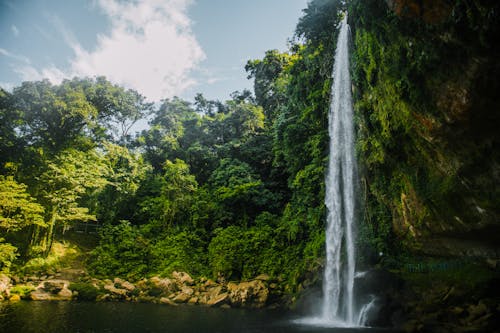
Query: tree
point(161, 141)
point(10, 121)
point(118, 108)
point(172, 206)
point(55, 117)
point(18, 209)
point(18, 212)
point(68, 177)
point(124, 172)
point(239, 192)
point(269, 83)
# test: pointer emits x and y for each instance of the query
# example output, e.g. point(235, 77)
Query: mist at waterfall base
point(338, 307)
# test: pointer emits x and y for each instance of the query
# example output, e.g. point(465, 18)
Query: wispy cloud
point(30, 73)
point(13, 56)
point(15, 30)
point(44, 33)
point(150, 48)
point(66, 33)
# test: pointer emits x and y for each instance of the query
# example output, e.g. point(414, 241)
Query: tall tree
point(55, 117)
point(68, 177)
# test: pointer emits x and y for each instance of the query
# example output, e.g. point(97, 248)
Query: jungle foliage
point(234, 189)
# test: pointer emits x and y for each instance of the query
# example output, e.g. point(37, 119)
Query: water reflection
point(65, 317)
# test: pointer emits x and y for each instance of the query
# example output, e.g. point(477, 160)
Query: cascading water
point(338, 307)
point(341, 180)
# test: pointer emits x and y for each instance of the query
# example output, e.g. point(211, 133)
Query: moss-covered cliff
point(426, 76)
point(426, 87)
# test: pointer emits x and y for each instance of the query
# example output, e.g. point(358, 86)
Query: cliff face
point(426, 76)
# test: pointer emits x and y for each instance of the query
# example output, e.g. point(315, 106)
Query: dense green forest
point(232, 189)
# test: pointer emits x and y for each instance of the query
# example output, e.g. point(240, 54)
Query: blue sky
point(161, 48)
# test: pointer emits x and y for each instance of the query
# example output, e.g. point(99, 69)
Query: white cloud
point(28, 73)
point(150, 48)
point(15, 30)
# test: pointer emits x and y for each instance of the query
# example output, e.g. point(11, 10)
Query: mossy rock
point(86, 291)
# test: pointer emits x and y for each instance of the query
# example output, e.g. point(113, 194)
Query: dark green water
point(66, 317)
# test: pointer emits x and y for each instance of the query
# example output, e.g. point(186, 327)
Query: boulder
point(166, 300)
point(476, 311)
point(248, 294)
point(116, 292)
point(40, 295)
point(65, 294)
point(183, 278)
point(128, 286)
point(187, 291)
point(209, 284)
point(181, 298)
point(52, 290)
point(123, 284)
point(118, 281)
point(4, 284)
point(214, 291)
point(54, 286)
point(166, 285)
point(219, 300)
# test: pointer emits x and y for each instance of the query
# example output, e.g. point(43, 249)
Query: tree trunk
point(49, 238)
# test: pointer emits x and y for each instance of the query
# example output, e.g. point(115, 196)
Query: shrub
point(122, 251)
point(7, 255)
point(22, 290)
point(239, 253)
point(182, 251)
point(86, 291)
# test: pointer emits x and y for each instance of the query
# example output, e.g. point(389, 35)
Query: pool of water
point(83, 317)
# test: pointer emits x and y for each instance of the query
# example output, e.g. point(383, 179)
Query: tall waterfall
point(341, 180)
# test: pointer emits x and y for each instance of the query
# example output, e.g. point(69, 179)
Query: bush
point(86, 291)
point(39, 265)
point(22, 290)
point(122, 251)
point(182, 251)
point(238, 253)
point(7, 255)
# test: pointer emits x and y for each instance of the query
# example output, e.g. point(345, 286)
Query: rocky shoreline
point(178, 288)
point(410, 305)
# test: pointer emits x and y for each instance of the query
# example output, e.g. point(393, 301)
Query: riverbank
point(411, 301)
point(178, 288)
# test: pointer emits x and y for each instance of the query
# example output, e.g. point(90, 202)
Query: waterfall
point(338, 306)
point(341, 180)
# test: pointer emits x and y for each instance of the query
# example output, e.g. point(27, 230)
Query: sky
point(161, 48)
